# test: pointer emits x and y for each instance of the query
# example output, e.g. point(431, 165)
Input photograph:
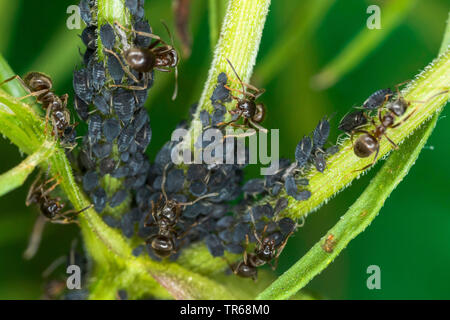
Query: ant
point(246, 106)
point(166, 215)
point(158, 56)
point(40, 86)
point(265, 251)
point(50, 207)
point(369, 142)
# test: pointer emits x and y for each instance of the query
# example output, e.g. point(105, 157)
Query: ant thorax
point(248, 107)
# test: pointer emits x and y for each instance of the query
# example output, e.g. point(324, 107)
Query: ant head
point(248, 107)
point(51, 208)
point(140, 59)
point(37, 81)
point(365, 146)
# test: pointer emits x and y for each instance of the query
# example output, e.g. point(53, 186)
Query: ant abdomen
point(365, 146)
point(141, 60)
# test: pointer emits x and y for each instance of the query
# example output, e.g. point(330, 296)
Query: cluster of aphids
point(110, 95)
point(389, 108)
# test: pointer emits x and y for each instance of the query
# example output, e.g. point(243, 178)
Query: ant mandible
point(40, 86)
point(369, 142)
point(158, 56)
point(246, 106)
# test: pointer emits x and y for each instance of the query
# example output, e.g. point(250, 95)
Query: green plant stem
point(342, 167)
point(15, 177)
point(239, 42)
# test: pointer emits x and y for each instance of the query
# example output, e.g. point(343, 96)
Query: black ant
point(40, 86)
point(246, 106)
point(265, 251)
point(369, 142)
point(158, 56)
point(50, 208)
point(166, 215)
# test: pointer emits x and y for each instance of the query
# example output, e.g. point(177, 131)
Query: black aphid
point(332, 150)
point(99, 198)
point(222, 78)
point(81, 85)
point(124, 104)
point(111, 221)
point(303, 151)
point(111, 129)
point(321, 133)
point(118, 198)
point(254, 186)
point(89, 38)
point(280, 205)
point(81, 108)
point(198, 188)
point(143, 137)
point(90, 181)
point(107, 36)
point(102, 150)
point(214, 245)
point(205, 118)
point(138, 250)
point(142, 41)
point(127, 225)
point(94, 128)
point(225, 222)
point(125, 138)
point(98, 75)
point(377, 99)
point(352, 121)
point(101, 104)
point(115, 69)
point(85, 11)
point(286, 225)
point(292, 190)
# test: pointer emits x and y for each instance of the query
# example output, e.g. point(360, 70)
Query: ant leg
point(35, 239)
point(127, 71)
point(240, 91)
point(406, 118)
point(250, 133)
point(146, 34)
point(258, 91)
point(392, 142)
point(32, 189)
point(180, 236)
point(198, 199)
point(257, 126)
point(75, 212)
point(163, 182)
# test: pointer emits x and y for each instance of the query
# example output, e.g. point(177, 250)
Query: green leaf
point(363, 44)
point(294, 37)
point(15, 177)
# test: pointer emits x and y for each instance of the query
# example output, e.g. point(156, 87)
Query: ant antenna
point(242, 84)
point(163, 183)
point(175, 90)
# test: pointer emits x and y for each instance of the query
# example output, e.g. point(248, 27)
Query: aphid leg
point(124, 68)
point(188, 229)
point(18, 78)
point(146, 34)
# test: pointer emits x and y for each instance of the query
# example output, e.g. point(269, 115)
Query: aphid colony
point(109, 96)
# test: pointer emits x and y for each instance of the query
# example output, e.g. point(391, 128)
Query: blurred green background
point(409, 240)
